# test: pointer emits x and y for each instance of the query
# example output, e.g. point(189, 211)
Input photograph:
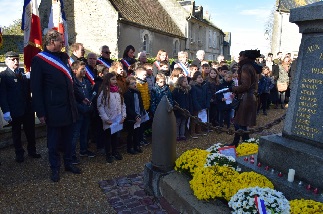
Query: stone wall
point(91, 22)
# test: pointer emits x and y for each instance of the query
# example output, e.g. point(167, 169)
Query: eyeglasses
point(13, 59)
point(107, 52)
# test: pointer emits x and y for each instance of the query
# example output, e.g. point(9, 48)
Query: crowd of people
point(94, 97)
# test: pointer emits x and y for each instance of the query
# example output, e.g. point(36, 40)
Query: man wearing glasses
point(54, 101)
point(15, 102)
point(105, 56)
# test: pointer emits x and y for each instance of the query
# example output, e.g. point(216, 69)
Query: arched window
point(176, 47)
point(145, 43)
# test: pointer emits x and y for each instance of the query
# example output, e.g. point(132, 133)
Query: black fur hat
point(252, 54)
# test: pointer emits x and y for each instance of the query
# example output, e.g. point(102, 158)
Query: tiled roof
point(286, 5)
point(148, 13)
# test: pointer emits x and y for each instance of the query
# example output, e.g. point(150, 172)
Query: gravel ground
point(26, 187)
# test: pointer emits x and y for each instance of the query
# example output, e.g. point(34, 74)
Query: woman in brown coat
point(248, 83)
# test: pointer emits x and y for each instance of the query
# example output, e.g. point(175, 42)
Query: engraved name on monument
point(307, 122)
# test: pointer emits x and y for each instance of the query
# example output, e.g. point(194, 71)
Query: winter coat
point(82, 90)
point(265, 84)
point(183, 98)
point(52, 91)
point(129, 100)
point(157, 94)
point(15, 96)
point(110, 109)
point(200, 95)
point(248, 83)
point(283, 76)
point(142, 86)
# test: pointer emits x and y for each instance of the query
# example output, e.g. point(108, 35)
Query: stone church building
point(148, 25)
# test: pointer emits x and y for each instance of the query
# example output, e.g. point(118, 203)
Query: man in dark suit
point(54, 101)
point(15, 102)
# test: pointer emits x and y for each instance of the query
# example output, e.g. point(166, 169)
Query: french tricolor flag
point(32, 31)
point(260, 204)
point(57, 20)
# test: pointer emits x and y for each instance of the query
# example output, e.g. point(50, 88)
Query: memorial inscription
point(306, 122)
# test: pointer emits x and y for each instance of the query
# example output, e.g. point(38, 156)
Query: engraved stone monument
point(300, 146)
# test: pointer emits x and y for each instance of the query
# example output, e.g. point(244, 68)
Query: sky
point(244, 19)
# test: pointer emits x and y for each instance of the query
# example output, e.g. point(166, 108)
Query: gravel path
point(26, 187)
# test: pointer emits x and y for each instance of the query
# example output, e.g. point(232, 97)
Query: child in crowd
point(223, 100)
point(161, 56)
point(143, 87)
point(82, 91)
point(159, 90)
point(164, 68)
point(182, 96)
point(150, 78)
point(235, 78)
point(170, 81)
point(213, 83)
point(214, 64)
point(121, 74)
point(111, 109)
point(222, 70)
point(205, 69)
point(192, 69)
point(97, 125)
point(135, 110)
point(264, 86)
point(201, 101)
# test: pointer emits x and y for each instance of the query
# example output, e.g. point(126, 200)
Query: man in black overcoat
point(54, 101)
point(15, 102)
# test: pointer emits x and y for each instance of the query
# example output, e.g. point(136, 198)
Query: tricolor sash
point(56, 62)
point(123, 61)
point(89, 74)
point(182, 66)
point(101, 61)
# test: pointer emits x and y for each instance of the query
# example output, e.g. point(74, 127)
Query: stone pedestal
point(283, 154)
point(301, 145)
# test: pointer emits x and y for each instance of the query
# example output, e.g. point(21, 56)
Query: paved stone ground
point(127, 195)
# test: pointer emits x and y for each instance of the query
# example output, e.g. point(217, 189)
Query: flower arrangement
point(244, 201)
point(247, 149)
point(305, 206)
point(250, 179)
point(215, 148)
point(212, 182)
point(190, 160)
point(213, 159)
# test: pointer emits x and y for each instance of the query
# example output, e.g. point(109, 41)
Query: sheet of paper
point(203, 115)
point(228, 98)
point(136, 125)
point(116, 126)
point(145, 118)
